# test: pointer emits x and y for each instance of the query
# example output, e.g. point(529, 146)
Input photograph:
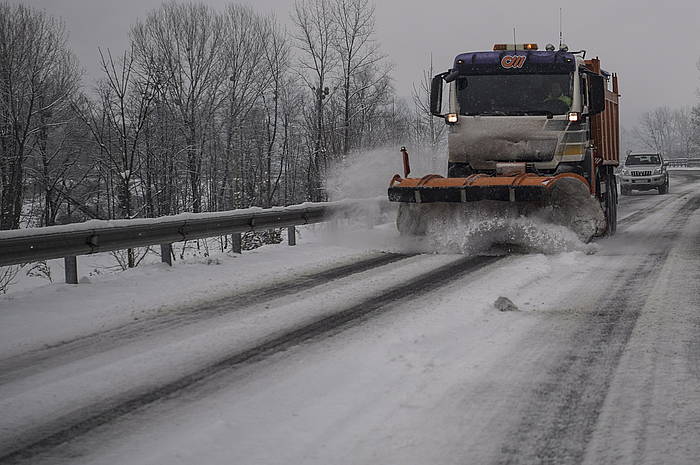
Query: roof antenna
point(561, 36)
point(515, 47)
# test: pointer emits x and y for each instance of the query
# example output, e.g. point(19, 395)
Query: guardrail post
point(236, 243)
point(166, 254)
point(292, 235)
point(71, 265)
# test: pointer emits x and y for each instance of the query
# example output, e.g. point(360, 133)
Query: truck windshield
point(643, 160)
point(514, 94)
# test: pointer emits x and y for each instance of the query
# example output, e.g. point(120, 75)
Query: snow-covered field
point(358, 346)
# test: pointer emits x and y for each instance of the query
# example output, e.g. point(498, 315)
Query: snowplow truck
point(537, 130)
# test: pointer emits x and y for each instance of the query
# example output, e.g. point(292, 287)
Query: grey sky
point(653, 45)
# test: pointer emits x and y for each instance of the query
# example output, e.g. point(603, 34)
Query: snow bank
point(36, 311)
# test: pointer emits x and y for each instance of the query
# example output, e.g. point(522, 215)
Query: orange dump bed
point(605, 126)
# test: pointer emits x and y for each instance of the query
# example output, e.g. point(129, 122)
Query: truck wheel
point(611, 203)
point(624, 191)
point(663, 189)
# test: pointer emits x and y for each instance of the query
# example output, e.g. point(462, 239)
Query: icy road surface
point(329, 354)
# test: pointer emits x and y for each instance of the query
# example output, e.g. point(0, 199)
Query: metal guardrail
point(68, 241)
point(684, 162)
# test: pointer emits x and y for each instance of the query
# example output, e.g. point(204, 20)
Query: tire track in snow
point(66, 429)
point(693, 344)
point(561, 417)
point(31, 362)
point(639, 215)
point(649, 415)
point(660, 205)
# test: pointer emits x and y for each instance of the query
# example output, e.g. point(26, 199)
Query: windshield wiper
point(548, 113)
point(485, 113)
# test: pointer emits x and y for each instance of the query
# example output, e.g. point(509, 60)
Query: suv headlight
point(625, 171)
point(657, 171)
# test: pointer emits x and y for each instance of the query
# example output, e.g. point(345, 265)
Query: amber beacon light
point(502, 47)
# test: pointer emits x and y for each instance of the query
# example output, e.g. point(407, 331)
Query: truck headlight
point(625, 171)
point(656, 171)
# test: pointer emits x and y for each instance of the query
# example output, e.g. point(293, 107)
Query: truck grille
point(640, 173)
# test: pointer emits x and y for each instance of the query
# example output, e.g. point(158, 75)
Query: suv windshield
point(643, 160)
point(514, 94)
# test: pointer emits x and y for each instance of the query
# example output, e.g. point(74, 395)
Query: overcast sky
point(653, 45)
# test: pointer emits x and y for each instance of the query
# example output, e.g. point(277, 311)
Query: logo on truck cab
point(513, 61)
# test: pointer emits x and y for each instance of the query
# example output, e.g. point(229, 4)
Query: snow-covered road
point(328, 354)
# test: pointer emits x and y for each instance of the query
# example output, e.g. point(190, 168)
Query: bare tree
point(184, 42)
point(372, 93)
point(315, 37)
point(358, 53)
point(208, 110)
point(118, 122)
point(57, 157)
point(695, 121)
point(56, 166)
point(290, 100)
point(38, 76)
point(670, 131)
point(244, 42)
point(684, 132)
point(656, 129)
point(427, 132)
point(276, 59)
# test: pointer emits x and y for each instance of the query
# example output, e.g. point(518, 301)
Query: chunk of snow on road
point(504, 304)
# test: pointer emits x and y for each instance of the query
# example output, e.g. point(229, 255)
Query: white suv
point(644, 171)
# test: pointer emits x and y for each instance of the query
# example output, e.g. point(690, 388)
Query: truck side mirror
point(596, 94)
point(436, 95)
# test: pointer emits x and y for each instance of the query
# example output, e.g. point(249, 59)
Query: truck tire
point(625, 191)
point(610, 203)
point(663, 189)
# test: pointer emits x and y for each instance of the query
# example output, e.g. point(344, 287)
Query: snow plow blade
point(563, 199)
point(435, 188)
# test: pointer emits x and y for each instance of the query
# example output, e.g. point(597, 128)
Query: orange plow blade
point(521, 188)
point(563, 199)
